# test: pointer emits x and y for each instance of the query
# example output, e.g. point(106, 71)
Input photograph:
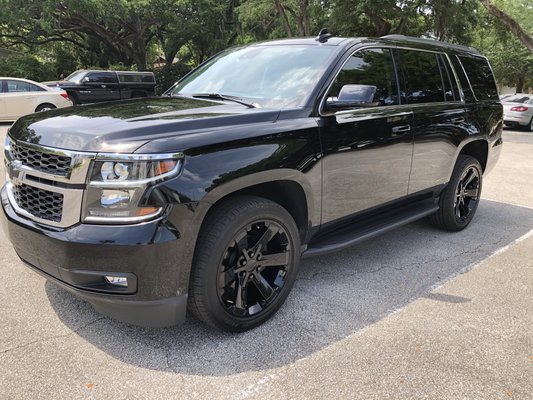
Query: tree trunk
point(284, 18)
point(510, 23)
point(520, 84)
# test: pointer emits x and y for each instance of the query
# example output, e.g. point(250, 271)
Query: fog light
point(117, 280)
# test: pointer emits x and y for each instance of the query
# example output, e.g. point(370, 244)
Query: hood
point(124, 126)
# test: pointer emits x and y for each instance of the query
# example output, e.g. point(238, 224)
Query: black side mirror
point(352, 96)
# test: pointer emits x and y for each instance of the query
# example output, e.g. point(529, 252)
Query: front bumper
point(149, 253)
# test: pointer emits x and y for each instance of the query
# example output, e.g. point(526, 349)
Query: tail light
point(64, 95)
point(519, 108)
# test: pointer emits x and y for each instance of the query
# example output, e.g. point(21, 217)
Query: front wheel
point(459, 200)
point(245, 264)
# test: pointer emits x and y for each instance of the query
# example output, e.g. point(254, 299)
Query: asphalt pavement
point(416, 313)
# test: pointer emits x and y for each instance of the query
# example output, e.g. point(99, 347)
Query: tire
point(231, 287)
point(73, 99)
point(45, 107)
point(529, 127)
point(459, 200)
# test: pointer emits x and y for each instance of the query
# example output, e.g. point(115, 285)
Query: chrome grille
point(40, 161)
point(40, 203)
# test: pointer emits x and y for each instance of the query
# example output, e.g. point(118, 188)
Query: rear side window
point(421, 80)
point(369, 67)
point(136, 78)
point(101, 77)
point(20, 86)
point(481, 78)
point(465, 85)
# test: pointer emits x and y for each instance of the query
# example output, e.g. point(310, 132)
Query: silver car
point(518, 111)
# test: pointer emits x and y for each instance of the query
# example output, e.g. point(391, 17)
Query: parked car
point(518, 111)
point(266, 153)
point(19, 97)
point(93, 86)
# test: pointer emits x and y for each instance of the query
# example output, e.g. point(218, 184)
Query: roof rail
point(433, 42)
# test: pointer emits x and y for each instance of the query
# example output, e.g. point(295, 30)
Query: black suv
point(93, 86)
point(209, 196)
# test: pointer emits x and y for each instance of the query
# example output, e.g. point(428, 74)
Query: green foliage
point(131, 34)
point(165, 77)
point(28, 67)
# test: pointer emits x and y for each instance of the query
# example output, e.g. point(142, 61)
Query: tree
point(510, 23)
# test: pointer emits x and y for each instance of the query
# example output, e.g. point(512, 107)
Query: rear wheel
point(245, 264)
point(459, 200)
point(529, 127)
point(45, 107)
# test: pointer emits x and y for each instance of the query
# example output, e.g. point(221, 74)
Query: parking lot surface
point(415, 313)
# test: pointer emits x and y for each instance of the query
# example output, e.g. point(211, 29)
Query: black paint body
point(326, 169)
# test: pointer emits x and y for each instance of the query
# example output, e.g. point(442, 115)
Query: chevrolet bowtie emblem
point(16, 165)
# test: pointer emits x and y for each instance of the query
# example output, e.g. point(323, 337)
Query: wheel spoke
point(263, 286)
point(226, 278)
point(274, 260)
point(469, 178)
point(265, 238)
point(241, 241)
point(240, 300)
point(472, 193)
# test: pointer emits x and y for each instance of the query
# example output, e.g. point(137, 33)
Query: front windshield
point(268, 76)
point(75, 76)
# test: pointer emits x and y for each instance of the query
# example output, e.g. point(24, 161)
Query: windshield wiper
point(223, 97)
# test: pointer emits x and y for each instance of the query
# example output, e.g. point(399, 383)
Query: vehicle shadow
point(334, 296)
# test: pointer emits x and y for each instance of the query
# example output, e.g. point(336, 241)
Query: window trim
point(322, 103)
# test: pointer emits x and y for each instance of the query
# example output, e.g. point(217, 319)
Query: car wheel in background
point(45, 107)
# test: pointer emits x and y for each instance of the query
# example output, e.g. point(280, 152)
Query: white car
point(518, 111)
point(19, 97)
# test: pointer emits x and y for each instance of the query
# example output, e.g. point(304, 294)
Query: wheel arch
point(288, 188)
point(479, 149)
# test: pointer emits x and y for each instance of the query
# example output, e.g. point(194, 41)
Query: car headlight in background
point(117, 184)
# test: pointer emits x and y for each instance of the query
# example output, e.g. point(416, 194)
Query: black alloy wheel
point(458, 202)
point(254, 268)
point(245, 263)
point(467, 193)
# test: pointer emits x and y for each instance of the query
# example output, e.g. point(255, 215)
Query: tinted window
point(465, 85)
point(369, 67)
point(19, 86)
point(136, 78)
point(520, 98)
point(422, 82)
point(450, 85)
point(481, 78)
point(101, 77)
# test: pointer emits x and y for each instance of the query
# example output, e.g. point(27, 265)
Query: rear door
point(19, 98)
point(367, 151)
point(429, 87)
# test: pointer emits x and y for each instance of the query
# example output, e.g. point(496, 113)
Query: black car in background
point(207, 198)
point(93, 86)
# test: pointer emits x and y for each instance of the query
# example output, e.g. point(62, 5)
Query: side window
point(35, 88)
point(19, 86)
point(369, 67)
point(481, 78)
point(422, 81)
point(465, 84)
point(2, 84)
point(101, 77)
point(450, 85)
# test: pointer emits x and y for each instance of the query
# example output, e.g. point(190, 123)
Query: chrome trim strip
point(138, 157)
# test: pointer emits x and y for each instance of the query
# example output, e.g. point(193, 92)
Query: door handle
point(458, 120)
point(401, 129)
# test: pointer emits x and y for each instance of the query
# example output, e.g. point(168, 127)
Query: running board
point(369, 227)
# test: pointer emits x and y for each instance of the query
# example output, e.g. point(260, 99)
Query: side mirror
point(352, 96)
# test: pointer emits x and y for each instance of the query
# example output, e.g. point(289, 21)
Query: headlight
point(117, 185)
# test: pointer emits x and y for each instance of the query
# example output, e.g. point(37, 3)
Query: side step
point(369, 227)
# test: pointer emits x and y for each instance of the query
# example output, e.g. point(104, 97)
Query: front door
point(367, 151)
